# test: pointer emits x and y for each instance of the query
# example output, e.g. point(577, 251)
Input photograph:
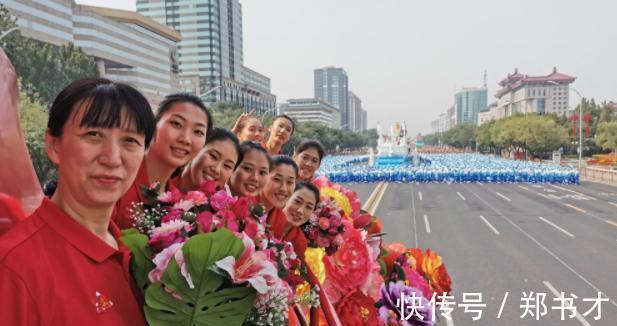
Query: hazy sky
point(406, 58)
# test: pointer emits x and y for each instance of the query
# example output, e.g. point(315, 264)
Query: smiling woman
point(183, 125)
point(251, 174)
point(97, 135)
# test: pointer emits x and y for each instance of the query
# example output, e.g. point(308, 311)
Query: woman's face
point(215, 162)
point(251, 175)
point(96, 165)
point(308, 162)
point(252, 131)
point(280, 185)
point(281, 130)
point(180, 134)
point(300, 207)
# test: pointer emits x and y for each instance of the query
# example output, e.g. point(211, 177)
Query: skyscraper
point(468, 102)
point(355, 112)
point(211, 51)
point(331, 86)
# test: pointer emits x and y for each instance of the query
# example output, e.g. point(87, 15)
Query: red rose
point(208, 187)
point(362, 221)
point(324, 224)
point(357, 309)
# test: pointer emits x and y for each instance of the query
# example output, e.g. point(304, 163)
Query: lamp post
point(580, 123)
point(210, 91)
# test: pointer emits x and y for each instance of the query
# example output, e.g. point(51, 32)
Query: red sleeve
point(16, 302)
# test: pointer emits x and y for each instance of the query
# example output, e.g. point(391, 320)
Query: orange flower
point(395, 250)
point(440, 280)
point(417, 261)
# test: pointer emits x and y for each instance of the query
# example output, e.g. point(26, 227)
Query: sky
point(405, 59)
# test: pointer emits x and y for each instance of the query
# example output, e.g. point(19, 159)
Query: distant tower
point(485, 78)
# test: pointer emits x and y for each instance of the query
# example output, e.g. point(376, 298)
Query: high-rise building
point(127, 46)
point(212, 50)
point(331, 85)
point(312, 110)
point(355, 112)
point(364, 120)
point(468, 102)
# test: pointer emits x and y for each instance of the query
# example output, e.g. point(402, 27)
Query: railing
point(599, 174)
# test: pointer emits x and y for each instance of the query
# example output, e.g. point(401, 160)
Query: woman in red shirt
point(308, 156)
point(65, 264)
point(183, 124)
point(280, 132)
point(251, 174)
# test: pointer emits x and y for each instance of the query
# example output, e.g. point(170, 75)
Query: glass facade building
point(468, 103)
point(331, 85)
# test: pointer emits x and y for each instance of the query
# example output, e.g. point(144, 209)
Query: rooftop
point(517, 80)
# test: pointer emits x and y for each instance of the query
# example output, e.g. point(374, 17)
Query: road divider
point(576, 208)
point(556, 227)
point(374, 199)
point(489, 225)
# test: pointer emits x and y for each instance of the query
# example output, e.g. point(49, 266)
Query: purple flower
point(391, 296)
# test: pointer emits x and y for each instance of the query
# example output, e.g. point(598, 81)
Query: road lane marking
point(545, 196)
point(502, 196)
point(611, 222)
point(371, 197)
point(449, 321)
point(460, 195)
point(523, 187)
point(378, 199)
point(572, 191)
point(420, 195)
point(428, 227)
point(558, 295)
point(610, 202)
point(556, 227)
point(489, 225)
point(413, 209)
point(576, 208)
point(543, 247)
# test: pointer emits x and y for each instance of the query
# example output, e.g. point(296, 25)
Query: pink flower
point(221, 200)
point(170, 197)
point(205, 220)
point(324, 223)
point(161, 260)
point(241, 207)
point(227, 219)
point(252, 266)
point(173, 214)
point(323, 242)
point(197, 197)
point(208, 187)
point(251, 229)
point(169, 233)
point(184, 205)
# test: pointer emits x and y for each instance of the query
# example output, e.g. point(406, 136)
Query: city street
point(512, 238)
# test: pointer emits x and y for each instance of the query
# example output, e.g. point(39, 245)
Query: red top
point(10, 212)
point(53, 271)
point(277, 222)
point(121, 215)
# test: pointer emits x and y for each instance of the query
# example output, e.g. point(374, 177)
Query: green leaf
point(141, 262)
point(212, 300)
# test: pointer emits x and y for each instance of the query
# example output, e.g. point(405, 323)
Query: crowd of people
point(65, 263)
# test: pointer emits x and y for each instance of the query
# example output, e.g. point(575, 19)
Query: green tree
point(460, 136)
point(44, 69)
point(607, 135)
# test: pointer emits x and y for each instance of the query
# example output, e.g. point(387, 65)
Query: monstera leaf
point(141, 262)
point(211, 299)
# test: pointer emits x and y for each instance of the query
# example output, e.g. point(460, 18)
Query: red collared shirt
point(277, 222)
point(53, 271)
point(121, 214)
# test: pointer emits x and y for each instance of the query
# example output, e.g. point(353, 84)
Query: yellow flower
point(342, 202)
point(314, 259)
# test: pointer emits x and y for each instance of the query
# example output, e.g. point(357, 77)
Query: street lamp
point(9, 31)
point(210, 91)
point(580, 123)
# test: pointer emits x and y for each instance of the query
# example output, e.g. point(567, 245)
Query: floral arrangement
point(205, 255)
point(345, 199)
point(325, 227)
point(411, 273)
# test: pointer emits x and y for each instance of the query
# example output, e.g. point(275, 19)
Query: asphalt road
point(515, 239)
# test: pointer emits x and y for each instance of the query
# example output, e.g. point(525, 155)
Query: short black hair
point(105, 102)
point(247, 146)
point(222, 134)
point(283, 159)
point(285, 116)
point(184, 97)
point(311, 187)
point(311, 143)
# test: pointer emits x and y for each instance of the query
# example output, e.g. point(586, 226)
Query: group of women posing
point(65, 264)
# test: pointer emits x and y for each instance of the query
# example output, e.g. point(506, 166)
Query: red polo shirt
point(277, 221)
point(121, 215)
point(53, 271)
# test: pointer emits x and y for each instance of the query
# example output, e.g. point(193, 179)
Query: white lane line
point(523, 187)
point(610, 202)
point(575, 192)
point(545, 196)
point(460, 195)
point(449, 321)
point(413, 209)
point(420, 195)
point(576, 208)
point(502, 196)
point(558, 295)
point(556, 227)
point(428, 227)
point(611, 223)
point(489, 225)
point(539, 244)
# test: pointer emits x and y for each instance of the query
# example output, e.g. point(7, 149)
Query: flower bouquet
point(325, 227)
point(205, 256)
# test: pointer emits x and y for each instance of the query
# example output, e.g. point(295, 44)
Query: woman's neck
point(95, 220)
point(157, 171)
